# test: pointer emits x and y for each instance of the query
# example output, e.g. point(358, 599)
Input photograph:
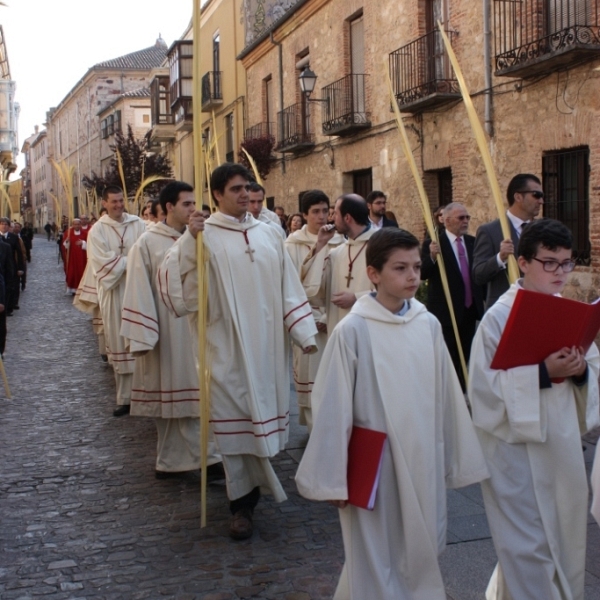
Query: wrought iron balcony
point(536, 37)
point(422, 75)
point(212, 92)
point(260, 130)
point(294, 128)
point(345, 111)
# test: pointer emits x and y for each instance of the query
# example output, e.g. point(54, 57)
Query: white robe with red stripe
point(299, 246)
point(165, 380)
point(109, 264)
point(255, 300)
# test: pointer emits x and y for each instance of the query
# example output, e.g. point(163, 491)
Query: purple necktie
point(464, 271)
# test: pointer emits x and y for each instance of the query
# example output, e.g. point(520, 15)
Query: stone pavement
point(82, 516)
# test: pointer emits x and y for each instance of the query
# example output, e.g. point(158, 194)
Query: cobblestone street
point(82, 515)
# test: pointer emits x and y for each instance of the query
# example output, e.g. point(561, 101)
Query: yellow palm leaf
point(144, 184)
point(254, 167)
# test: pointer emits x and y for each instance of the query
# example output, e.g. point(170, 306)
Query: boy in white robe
point(386, 368)
point(530, 430)
point(300, 244)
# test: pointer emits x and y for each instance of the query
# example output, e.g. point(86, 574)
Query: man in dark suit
point(12, 288)
point(377, 202)
point(456, 248)
point(525, 198)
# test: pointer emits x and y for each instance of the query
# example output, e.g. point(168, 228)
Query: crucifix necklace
point(351, 260)
point(250, 251)
point(122, 243)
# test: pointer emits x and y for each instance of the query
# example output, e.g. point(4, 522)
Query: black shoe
point(104, 357)
point(122, 410)
point(215, 472)
point(16, 307)
point(169, 474)
point(240, 525)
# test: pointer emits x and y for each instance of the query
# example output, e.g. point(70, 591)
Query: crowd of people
point(339, 281)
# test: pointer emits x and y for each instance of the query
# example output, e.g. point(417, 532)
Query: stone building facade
point(536, 94)
point(74, 126)
point(39, 207)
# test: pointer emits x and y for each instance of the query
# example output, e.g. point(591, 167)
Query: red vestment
point(76, 257)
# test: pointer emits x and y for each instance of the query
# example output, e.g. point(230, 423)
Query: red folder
point(540, 324)
point(365, 454)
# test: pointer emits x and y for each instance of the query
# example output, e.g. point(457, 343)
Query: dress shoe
point(121, 410)
point(240, 524)
point(104, 357)
point(16, 307)
point(169, 474)
point(215, 472)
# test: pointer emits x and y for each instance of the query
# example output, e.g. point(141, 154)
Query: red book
point(540, 324)
point(365, 453)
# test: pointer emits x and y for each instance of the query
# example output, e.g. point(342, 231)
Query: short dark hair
point(154, 207)
point(374, 195)
point(516, 185)
point(256, 187)
point(546, 233)
point(111, 189)
point(356, 207)
point(224, 173)
point(170, 193)
point(383, 242)
point(312, 197)
point(206, 207)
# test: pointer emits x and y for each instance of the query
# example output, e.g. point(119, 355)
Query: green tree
point(138, 164)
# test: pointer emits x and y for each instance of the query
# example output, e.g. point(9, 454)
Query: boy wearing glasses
point(530, 426)
point(525, 198)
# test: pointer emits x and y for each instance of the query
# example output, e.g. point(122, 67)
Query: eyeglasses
point(551, 266)
point(464, 217)
point(535, 193)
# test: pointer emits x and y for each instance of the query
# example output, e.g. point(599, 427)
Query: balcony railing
point(422, 75)
point(345, 112)
point(260, 130)
point(294, 128)
point(212, 92)
point(534, 37)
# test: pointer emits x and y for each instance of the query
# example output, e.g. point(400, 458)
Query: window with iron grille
point(565, 176)
point(110, 120)
point(104, 129)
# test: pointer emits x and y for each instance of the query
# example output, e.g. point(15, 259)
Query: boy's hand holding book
point(567, 362)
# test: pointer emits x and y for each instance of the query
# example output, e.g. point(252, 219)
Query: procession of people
point(332, 303)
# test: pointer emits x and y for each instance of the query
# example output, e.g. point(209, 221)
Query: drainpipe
point(280, 93)
point(487, 59)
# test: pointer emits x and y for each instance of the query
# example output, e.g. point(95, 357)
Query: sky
point(52, 43)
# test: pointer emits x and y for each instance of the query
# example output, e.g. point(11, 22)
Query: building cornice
point(279, 30)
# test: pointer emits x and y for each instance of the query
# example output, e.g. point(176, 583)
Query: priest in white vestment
point(255, 301)
point(315, 208)
point(529, 420)
point(337, 278)
point(108, 243)
point(386, 368)
point(165, 379)
point(257, 208)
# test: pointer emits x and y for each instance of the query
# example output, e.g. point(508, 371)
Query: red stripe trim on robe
point(258, 435)
point(109, 272)
point(297, 321)
point(167, 292)
point(277, 418)
point(166, 391)
point(135, 312)
point(295, 309)
point(138, 323)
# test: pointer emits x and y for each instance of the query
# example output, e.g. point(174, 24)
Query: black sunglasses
point(535, 193)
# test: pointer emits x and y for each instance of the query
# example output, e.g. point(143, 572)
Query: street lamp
point(307, 81)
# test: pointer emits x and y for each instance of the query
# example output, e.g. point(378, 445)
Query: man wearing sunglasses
point(525, 199)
